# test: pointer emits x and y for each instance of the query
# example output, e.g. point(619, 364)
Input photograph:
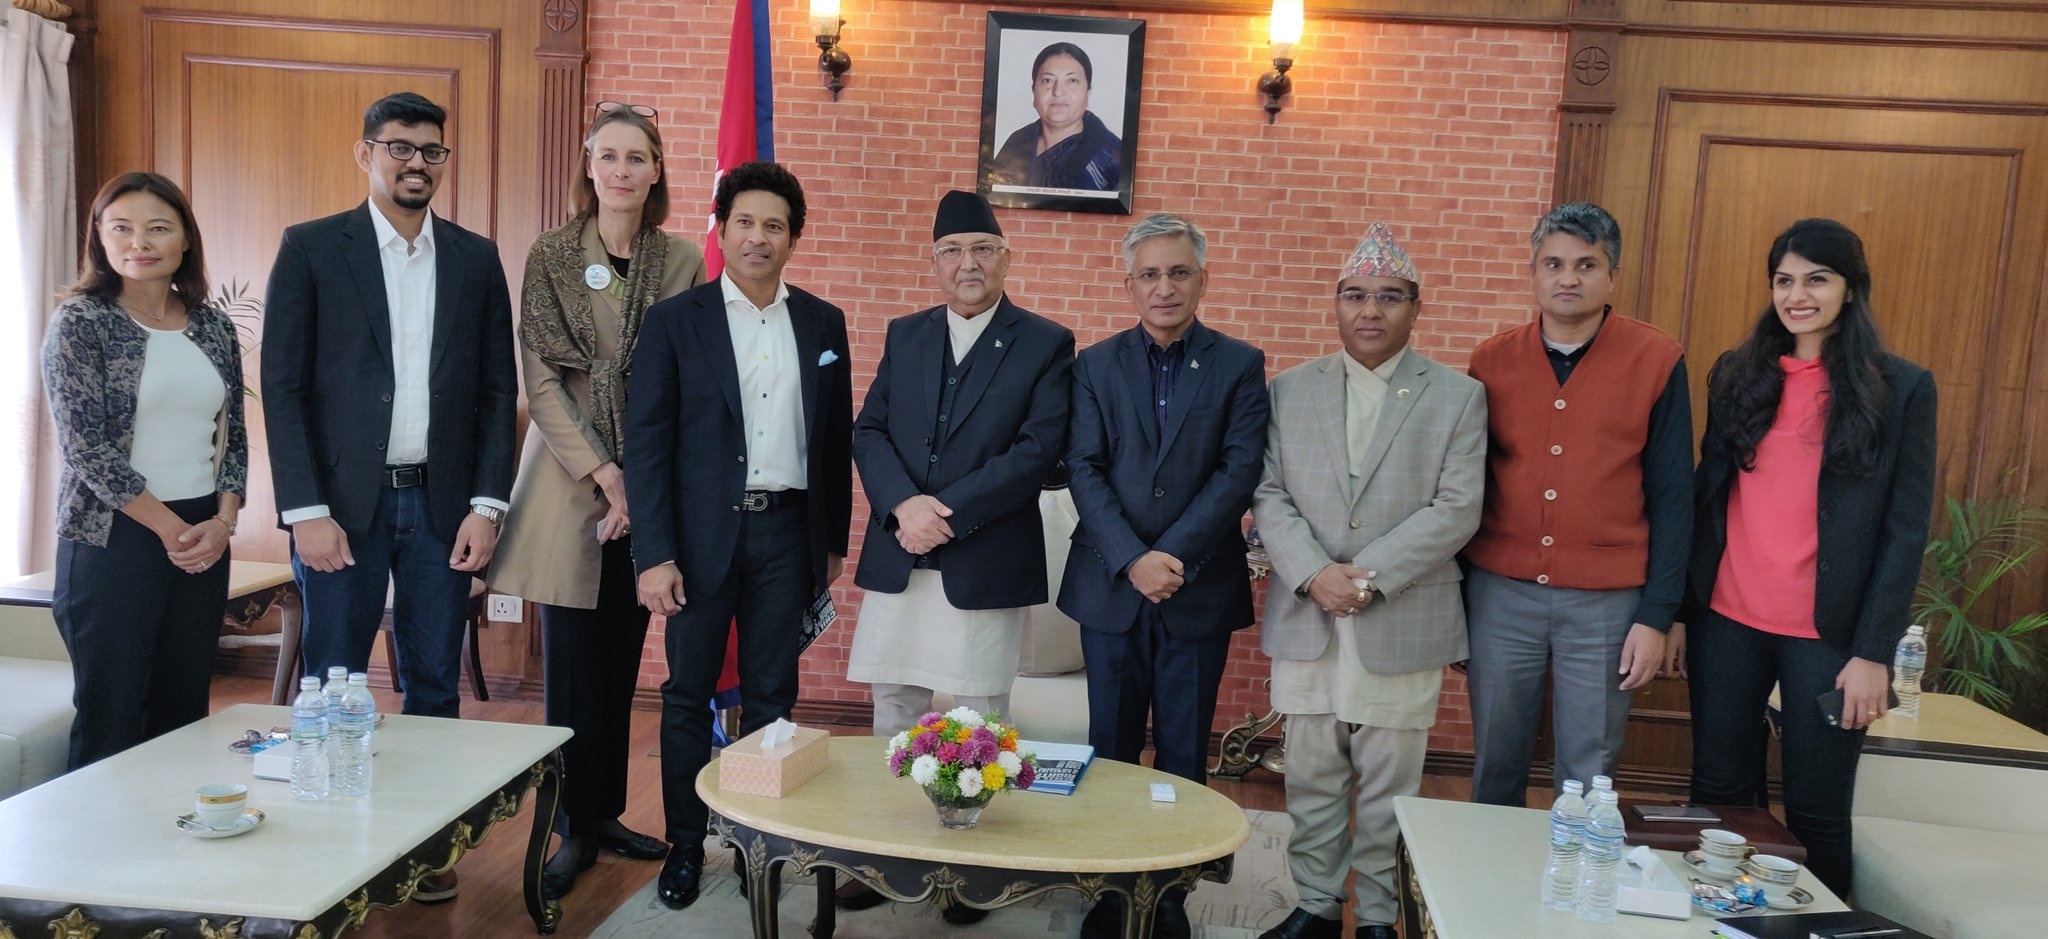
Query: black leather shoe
point(1171, 921)
point(573, 857)
point(1377, 932)
point(1106, 920)
point(677, 885)
point(627, 843)
point(854, 895)
point(960, 915)
point(1302, 924)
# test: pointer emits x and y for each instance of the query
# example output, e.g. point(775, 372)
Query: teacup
point(1775, 874)
point(1722, 851)
point(219, 805)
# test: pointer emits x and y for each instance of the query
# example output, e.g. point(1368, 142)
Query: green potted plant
point(1986, 542)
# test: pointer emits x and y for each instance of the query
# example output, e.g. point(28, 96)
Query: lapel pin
point(1194, 364)
point(999, 343)
point(1401, 394)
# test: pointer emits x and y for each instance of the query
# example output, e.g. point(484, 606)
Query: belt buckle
point(404, 477)
point(754, 501)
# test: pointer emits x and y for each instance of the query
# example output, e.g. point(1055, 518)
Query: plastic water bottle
point(1567, 839)
point(310, 782)
point(1907, 666)
point(337, 682)
point(1604, 834)
point(354, 726)
point(1600, 784)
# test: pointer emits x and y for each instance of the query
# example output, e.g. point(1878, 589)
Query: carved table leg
point(546, 913)
point(764, 886)
point(1141, 908)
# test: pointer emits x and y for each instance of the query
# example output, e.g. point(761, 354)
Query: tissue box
point(276, 762)
point(1651, 890)
point(748, 768)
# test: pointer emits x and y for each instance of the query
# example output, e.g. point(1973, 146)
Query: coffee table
point(97, 853)
point(1471, 870)
point(857, 820)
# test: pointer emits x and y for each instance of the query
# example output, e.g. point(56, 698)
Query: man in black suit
point(966, 418)
point(739, 414)
point(1165, 447)
point(389, 394)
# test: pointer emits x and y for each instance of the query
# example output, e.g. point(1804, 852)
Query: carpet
point(1259, 894)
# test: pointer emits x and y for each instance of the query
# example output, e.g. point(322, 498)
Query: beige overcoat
point(548, 552)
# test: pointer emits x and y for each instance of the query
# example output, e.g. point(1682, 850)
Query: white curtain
point(38, 255)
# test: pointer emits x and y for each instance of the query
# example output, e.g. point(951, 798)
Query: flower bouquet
point(962, 760)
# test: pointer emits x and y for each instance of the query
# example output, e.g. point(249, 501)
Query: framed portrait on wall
point(1059, 112)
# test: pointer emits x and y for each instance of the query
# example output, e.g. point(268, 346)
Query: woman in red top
point(1815, 482)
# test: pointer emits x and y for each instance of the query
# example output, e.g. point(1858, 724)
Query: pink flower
point(985, 749)
point(931, 717)
point(896, 762)
point(949, 752)
point(924, 745)
point(1026, 775)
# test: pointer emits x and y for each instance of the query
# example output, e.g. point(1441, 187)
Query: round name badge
point(597, 276)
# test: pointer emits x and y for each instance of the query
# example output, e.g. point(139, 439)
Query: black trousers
point(1732, 668)
point(141, 634)
point(1147, 671)
point(766, 591)
point(590, 660)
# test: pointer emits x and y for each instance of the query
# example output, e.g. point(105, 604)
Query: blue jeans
point(430, 602)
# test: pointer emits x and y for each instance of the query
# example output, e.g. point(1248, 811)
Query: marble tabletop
point(1954, 720)
point(1481, 870)
point(1109, 824)
point(106, 834)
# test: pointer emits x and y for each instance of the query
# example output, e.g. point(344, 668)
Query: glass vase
point(962, 812)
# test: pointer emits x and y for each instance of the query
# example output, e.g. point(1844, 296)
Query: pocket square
point(827, 358)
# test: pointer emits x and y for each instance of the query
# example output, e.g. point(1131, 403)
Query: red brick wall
point(1447, 133)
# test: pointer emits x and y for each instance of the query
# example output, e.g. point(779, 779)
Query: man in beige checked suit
point(1375, 461)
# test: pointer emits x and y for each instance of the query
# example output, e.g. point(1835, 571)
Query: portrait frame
point(1093, 172)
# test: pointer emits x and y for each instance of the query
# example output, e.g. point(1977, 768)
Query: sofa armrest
point(29, 632)
point(1952, 792)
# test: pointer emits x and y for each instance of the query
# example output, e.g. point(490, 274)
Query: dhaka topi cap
point(962, 213)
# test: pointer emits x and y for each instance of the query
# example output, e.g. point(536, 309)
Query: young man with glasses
point(1375, 462)
point(1168, 430)
point(965, 419)
point(389, 394)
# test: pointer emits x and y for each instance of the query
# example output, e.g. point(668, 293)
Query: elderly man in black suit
point(1166, 445)
point(966, 417)
point(389, 394)
point(739, 418)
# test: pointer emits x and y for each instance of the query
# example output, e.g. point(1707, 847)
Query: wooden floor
point(490, 904)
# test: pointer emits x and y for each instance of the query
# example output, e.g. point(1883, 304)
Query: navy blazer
point(328, 378)
point(1008, 425)
point(1873, 529)
point(686, 446)
point(1184, 492)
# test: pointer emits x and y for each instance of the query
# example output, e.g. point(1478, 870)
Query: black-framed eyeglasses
point(982, 251)
point(1385, 299)
point(640, 109)
point(403, 151)
point(1179, 275)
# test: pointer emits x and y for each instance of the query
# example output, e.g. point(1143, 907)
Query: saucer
point(1796, 899)
point(1698, 864)
point(250, 818)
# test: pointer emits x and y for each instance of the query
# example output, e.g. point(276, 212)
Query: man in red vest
point(1579, 562)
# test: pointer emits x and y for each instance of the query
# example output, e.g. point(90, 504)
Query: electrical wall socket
point(506, 609)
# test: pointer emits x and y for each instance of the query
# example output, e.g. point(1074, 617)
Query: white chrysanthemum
point(1010, 763)
point(899, 741)
point(966, 716)
point(924, 769)
point(970, 784)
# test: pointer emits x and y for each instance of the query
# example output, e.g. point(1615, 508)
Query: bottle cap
point(1608, 797)
point(1916, 630)
point(1574, 786)
point(1602, 782)
point(309, 683)
point(358, 678)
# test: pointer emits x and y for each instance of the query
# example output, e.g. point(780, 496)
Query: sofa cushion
point(1951, 881)
point(1053, 709)
point(1052, 640)
point(35, 722)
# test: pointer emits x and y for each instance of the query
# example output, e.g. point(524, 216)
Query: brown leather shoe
point(439, 888)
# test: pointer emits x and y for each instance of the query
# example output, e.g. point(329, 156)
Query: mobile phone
point(1831, 705)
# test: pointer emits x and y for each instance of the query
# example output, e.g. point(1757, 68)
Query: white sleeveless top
point(176, 409)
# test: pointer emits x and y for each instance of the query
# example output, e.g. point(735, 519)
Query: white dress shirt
point(771, 388)
point(965, 331)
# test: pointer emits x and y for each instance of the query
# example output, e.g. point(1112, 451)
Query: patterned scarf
point(557, 324)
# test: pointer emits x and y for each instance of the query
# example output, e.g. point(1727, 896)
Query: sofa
point(35, 711)
point(1953, 848)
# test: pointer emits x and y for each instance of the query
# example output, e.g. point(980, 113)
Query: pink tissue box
point(747, 768)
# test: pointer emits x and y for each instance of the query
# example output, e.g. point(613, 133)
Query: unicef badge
point(597, 276)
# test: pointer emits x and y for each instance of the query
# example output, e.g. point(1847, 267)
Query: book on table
point(1843, 924)
point(1060, 765)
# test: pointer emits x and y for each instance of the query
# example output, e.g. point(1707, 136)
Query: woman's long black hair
point(1746, 384)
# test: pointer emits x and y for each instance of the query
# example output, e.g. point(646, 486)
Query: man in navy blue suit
point(739, 422)
point(1165, 446)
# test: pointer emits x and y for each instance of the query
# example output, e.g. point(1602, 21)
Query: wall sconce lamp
point(1284, 32)
point(832, 60)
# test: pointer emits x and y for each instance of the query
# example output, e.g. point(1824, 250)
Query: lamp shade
point(824, 17)
point(1285, 29)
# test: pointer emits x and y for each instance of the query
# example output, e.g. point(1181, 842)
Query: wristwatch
point(495, 516)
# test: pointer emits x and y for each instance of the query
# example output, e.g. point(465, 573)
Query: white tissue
point(777, 734)
point(1641, 856)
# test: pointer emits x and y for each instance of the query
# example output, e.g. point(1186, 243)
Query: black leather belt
point(757, 500)
point(405, 477)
